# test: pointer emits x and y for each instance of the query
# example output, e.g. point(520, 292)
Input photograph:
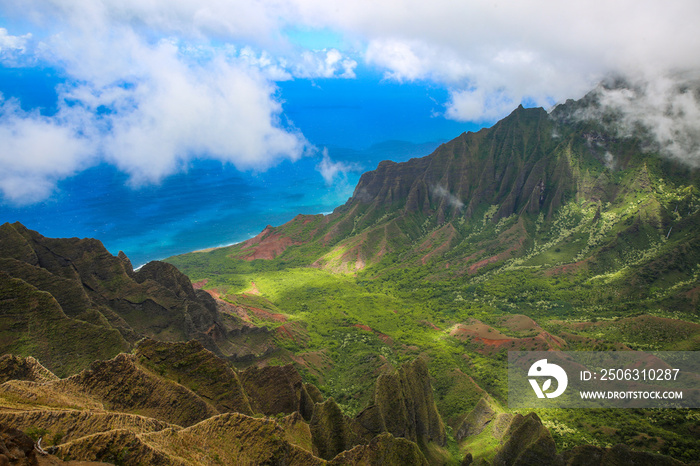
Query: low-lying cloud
point(663, 110)
point(330, 170)
point(452, 200)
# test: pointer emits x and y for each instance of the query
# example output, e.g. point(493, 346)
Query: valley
point(384, 327)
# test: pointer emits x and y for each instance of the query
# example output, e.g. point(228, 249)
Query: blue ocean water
point(360, 122)
point(209, 205)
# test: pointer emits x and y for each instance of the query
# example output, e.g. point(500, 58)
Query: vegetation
point(612, 263)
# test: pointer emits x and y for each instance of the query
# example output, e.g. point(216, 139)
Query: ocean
point(360, 122)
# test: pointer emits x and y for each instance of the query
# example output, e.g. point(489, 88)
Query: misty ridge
point(663, 112)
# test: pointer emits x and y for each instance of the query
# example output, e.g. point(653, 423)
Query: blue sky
point(146, 92)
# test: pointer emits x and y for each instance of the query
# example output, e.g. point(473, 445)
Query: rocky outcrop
point(119, 446)
point(93, 298)
point(330, 431)
point(231, 439)
point(197, 368)
point(276, 390)
point(16, 447)
point(511, 165)
point(123, 385)
point(34, 324)
point(297, 431)
point(404, 406)
point(61, 426)
point(16, 368)
point(384, 450)
point(476, 421)
point(527, 442)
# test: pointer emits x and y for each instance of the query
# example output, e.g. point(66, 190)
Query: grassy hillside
point(576, 254)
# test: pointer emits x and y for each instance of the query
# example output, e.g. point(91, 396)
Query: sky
point(148, 90)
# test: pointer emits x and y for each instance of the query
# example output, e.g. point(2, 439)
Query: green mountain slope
point(379, 332)
point(546, 231)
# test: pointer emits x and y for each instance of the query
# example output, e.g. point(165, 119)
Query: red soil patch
point(473, 268)
point(476, 329)
point(385, 338)
point(267, 245)
point(492, 339)
point(495, 343)
point(253, 290)
point(198, 285)
point(267, 315)
point(215, 293)
point(567, 268)
point(283, 332)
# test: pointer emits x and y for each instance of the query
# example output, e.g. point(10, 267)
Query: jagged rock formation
point(193, 366)
point(16, 447)
point(527, 442)
point(510, 164)
point(476, 421)
point(235, 438)
point(404, 406)
point(330, 430)
point(91, 304)
point(54, 336)
point(68, 425)
point(277, 389)
point(121, 384)
point(384, 449)
point(117, 446)
point(297, 431)
point(29, 369)
point(134, 408)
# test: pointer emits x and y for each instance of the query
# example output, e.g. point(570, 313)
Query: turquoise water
point(212, 204)
point(209, 205)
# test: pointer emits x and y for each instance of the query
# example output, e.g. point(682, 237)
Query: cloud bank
point(151, 84)
point(664, 111)
point(146, 101)
point(495, 55)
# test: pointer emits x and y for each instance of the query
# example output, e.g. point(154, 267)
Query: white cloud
point(146, 106)
point(530, 51)
point(331, 170)
point(12, 47)
point(452, 200)
point(10, 43)
point(663, 109)
point(194, 78)
point(35, 151)
point(324, 64)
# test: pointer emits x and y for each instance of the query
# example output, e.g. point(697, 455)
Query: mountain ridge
point(382, 327)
